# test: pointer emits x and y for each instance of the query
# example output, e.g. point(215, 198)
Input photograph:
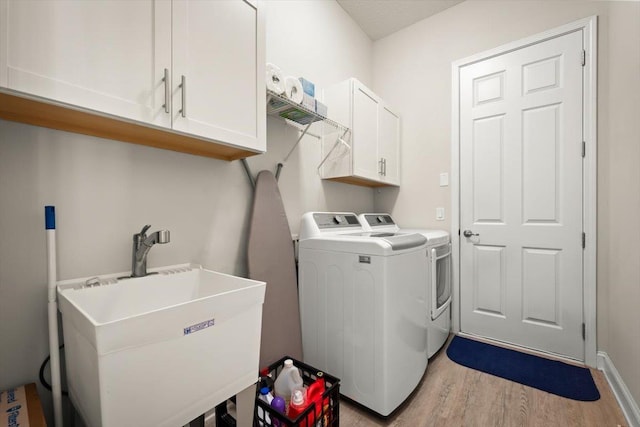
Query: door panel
point(389, 145)
point(215, 47)
point(488, 170)
point(488, 88)
point(540, 186)
point(521, 192)
point(112, 59)
point(541, 75)
point(489, 280)
point(365, 132)
point(540, 286)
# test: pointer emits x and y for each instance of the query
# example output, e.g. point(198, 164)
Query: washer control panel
point(335, 220)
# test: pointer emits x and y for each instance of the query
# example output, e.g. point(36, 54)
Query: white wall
point(105, 191)
point(319, 41)
point(412, 71)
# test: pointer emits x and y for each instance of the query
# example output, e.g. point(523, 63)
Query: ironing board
point(271, 259)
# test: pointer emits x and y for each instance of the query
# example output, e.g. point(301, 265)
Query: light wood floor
point(453, 395)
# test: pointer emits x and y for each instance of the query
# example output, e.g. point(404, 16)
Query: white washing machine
point(439, 276)
point(362, 304)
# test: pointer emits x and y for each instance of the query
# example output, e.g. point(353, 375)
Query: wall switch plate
point(440, 214)
point(444, 179)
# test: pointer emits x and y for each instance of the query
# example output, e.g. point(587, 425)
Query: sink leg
point(245, 405)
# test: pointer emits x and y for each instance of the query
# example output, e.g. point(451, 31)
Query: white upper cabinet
point(389, 145)
point(373, 159)
point(195, 68)
point(216, 55)
point(106, 56)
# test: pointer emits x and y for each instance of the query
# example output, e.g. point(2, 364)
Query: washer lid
point(367, 243)
point(434, 237)
point(399, 241)
point(382, 222)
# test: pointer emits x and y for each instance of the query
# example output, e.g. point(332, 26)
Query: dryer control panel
point(379, 219)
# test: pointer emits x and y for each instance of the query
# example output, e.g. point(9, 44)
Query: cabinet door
point(218, 53)
point(365, 133)
point(103, 55)
point(389, 145)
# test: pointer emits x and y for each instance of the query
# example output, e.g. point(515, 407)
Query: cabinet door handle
point(380, 166)
point(167, 93)
point(384, 167)
point(183, 87)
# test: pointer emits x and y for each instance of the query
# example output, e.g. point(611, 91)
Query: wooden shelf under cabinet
point(354, 180)
point(30, 110)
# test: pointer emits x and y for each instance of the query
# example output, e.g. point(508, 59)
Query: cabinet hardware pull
point(165, 79)
point(384, 167)
point(380, 166)
point(183, 86)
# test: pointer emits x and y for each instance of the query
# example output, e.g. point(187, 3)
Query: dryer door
point(440, 279)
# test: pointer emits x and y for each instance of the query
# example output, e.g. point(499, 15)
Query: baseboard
point(620, 390)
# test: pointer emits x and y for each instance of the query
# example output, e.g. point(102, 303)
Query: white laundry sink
point(162, 349)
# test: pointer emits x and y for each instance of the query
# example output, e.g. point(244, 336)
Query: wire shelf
point(301, 117)
point(283, 107)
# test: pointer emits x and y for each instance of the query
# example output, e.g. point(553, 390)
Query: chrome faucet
point(141, 246)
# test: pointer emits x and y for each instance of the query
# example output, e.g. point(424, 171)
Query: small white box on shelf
point(309, 102)
point(321, 108)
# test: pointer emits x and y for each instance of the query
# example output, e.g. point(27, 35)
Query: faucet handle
point(144, 229)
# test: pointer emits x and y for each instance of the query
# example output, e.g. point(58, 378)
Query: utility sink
point(162, 349)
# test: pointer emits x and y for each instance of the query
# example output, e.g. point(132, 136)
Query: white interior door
point(521, 195)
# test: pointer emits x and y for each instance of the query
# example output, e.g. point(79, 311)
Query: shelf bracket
point(304, 132)
point(281, 164)
point(339, 141)
point(301, 118)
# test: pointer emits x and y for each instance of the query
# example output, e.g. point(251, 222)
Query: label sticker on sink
point(198, 326)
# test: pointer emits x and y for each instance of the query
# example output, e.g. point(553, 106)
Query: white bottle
point(265, 394)
point(288, 380)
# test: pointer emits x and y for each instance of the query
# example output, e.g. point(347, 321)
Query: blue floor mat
point(552, 376)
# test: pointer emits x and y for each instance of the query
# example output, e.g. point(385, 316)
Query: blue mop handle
point(50, 217)
point(52, 308)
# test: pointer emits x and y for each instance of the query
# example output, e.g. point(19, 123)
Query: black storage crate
point(330, 414)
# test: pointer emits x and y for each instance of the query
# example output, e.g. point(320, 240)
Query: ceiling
point(379, 18)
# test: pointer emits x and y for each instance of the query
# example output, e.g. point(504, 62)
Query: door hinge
point(584, 57)
point(584, 149)
point(584, 240)
point(584, 332)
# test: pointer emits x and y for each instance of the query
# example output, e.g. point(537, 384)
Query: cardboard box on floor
point(21, 406)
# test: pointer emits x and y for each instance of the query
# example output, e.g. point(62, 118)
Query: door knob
point(469, 233)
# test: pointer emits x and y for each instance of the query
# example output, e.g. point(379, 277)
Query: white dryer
point(439, 276)
point(362, 304)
